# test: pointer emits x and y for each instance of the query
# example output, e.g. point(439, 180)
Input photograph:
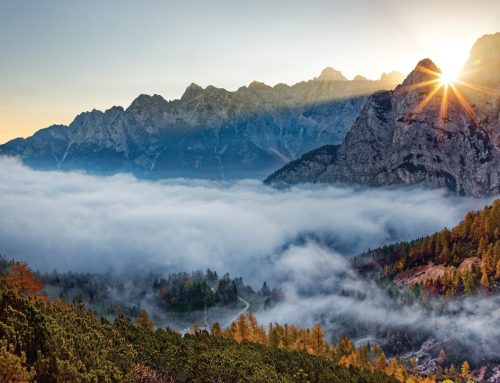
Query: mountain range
point(424, 131)
point(328, 129)
point(207, 133)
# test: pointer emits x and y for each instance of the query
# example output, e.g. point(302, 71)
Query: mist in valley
point(299, 239)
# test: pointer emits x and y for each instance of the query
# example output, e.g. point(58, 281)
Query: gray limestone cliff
point(422, 132)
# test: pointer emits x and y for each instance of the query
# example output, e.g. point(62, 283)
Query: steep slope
point(459, 261)
point(423, 131)
point(208, 132)
point(44, 341)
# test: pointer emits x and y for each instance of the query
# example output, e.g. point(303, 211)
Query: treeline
point(312, 341)
point(183, 292)
point(196, 291)
point(53, 341)
point(177, 293)
point(470, 252)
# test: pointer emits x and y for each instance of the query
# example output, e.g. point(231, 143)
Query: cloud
point(72, 221)
point(320, 285)
point(297, 238)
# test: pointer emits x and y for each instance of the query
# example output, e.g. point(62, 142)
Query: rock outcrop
point(210, 133)
point(422, 132)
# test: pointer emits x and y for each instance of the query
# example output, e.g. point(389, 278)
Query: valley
point(315, 226)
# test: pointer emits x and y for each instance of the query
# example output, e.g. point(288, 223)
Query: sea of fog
point(298, 238)
point(73, 221)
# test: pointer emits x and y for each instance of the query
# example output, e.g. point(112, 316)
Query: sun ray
point(420, 107)
point(419, 85)
point(454, 88)
point(428, 71)
point(443, 112)
point(480, 88)
point(465, 105)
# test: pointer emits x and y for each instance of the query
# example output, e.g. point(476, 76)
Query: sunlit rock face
point(422, 131)
point(211, 132)
point(481, 80)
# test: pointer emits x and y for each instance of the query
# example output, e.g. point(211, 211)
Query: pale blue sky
point(59, 58)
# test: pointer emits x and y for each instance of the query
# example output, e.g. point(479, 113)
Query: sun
point(449, 73)
point(448, 77)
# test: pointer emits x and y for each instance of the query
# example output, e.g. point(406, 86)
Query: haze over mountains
point(208, 133)
point(447, 136)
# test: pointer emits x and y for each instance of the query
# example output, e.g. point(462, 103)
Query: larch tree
point(216, 329)
point(442, 357)
point(143, 321)
point(21, 279)
point(465, 370)
point(484, 281)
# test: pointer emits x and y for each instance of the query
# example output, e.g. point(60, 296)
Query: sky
point(60, 58)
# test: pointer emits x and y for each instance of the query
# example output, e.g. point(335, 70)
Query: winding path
point(243, 311)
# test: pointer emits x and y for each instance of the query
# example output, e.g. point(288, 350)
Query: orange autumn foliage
point(21, 279)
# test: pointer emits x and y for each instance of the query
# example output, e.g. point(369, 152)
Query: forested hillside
point(463, 260)
point(179, 297)
point(56, 342)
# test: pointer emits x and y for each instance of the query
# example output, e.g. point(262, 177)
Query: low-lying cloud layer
point(298, 238)
point(71, 221)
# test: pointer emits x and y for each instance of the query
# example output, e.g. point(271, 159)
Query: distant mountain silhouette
point(210, 133)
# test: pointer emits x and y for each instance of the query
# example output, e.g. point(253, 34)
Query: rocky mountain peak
point(417, 135)
point(483, 65)
point(145, 101)
point(210, 132)
point(393, 77)
point(425, 70)
point(256, 85)
point(192, 92)
point(330, 74)
point(487, 48)
point(360, 78)
point(87, 116)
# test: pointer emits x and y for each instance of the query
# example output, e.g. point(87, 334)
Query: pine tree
point(485, 262)
point(345, 346)
point(452, 371)
point(381, 362)
point(344, 361)
point(260, 336)
point(12, 367)
point(481, 247)
point(216, 329)
point(243, 330)
point(144, 322)
point(21, 279)
point(465, 370)
point(496, 251)
point(442, 357)
point(484, 281)
point(317, 340)
point(196, 328)
point(252, 321)
point(469, 284)
point(445, 254)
